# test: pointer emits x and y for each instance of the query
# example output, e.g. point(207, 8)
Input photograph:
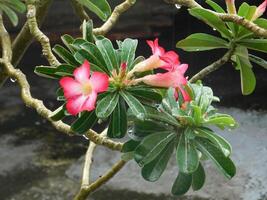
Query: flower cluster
point(81, 90)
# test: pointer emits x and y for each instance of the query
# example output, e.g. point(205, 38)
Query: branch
point(5, 41)
point(105, 28)
point(261, 32)
point(85, 191)
point(88, 161)
point(78, 8)
point(40, 36)
point(212, 67)
point(24, 38)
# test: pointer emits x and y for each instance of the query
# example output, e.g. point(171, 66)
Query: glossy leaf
point(136, 107)
point(216, 139)
point(106, 105)
point(255, 44)
point(10, 13)
point(201, 42)
point(223, 163)
point(100, 7)
point(107, 50)
point(186, 156)
point(221, 120)
point(151, 146)
point(211, 19)
point(248, 80)
point(215, 6)
point(153, 170)
point(128, 48)
point(88, 31)
point(65, 55)
point(198, 178)
point(118, 123)
point(145, 93)
point(259, 61)
point(67, 40)
point(182, 184)
point(58, 114)
point(161, 116)
point(84, 122)
point(46, 71)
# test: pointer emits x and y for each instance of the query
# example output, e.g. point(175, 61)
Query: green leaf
point(68, 40)
point(95, 54)
point(107, 50)
point(247, 12)
point(153, 170)
point(100, 7)
point(46, 71)
point(88, 31)
point(161, 116)
point(259, 61)
point(65, 70)
point(58, 114)
point(248, 80)
point(16, 5)
point(65, 55)
point(217, 140)
point(198, 178)
point(215, 6)
point(118, 124)
point(255, 44)
point(201, 42)
point(136, 107)
point(129, 146)
point(128, 48)
point(106, 105)
point(221, 120)
point(186, 155)
point(82, 55)
point(143, 128)
point(151, 146)
point(223, 163)
point(11, 14)
point(84, 122)
point(181, 184)
point(148, 94)
point(211, 19)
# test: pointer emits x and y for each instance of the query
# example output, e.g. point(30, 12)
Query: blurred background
point(36, 162)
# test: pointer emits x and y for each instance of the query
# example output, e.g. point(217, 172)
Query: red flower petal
point(156, 49)
point(70, 87)
point(74, 105)
point(99, 81)
point(82, 73)
point(89, 104)
point(169, 79)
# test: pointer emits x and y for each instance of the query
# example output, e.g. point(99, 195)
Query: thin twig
point(261, 32)
point(40, 36)
point(213, 67)
point(105, 28)
point(88, 162)
point(5, 42)
point(86, 191)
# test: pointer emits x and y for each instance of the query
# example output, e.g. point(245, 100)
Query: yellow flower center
point(87, 88)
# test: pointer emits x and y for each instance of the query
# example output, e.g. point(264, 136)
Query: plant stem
point(86, 191)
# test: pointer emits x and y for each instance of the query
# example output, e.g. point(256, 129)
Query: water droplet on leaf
point(85, 137)
point(13, 80)
point(178, 6)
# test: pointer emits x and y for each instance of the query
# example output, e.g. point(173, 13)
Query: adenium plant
point(150, 102)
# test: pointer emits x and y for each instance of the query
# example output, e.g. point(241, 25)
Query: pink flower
point(174, 79)
point(81, 91)
point(260, 10)
point(160, 59)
